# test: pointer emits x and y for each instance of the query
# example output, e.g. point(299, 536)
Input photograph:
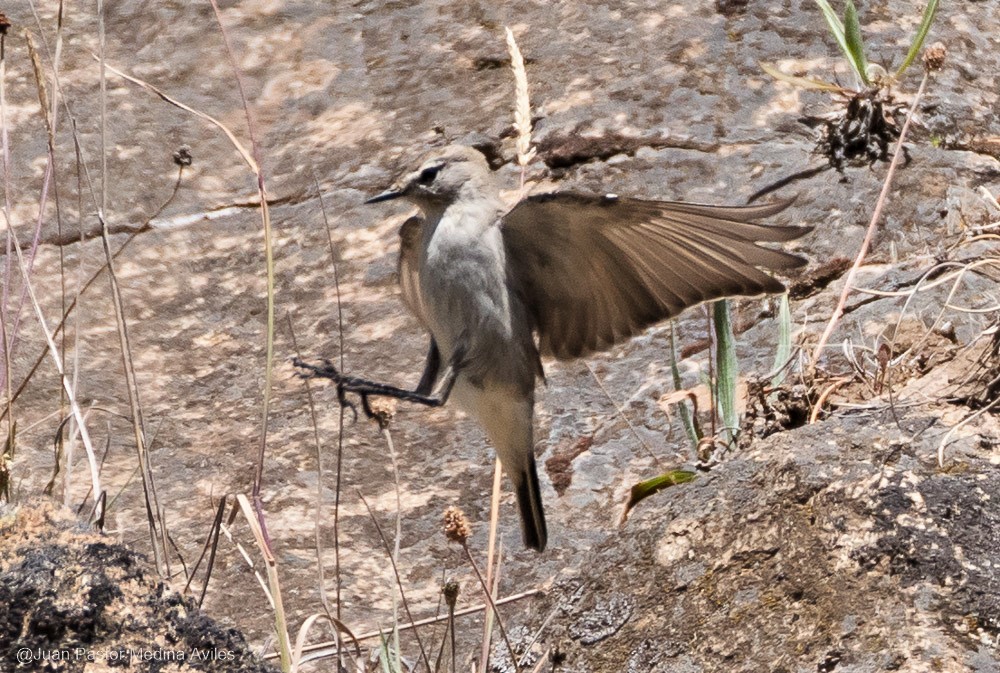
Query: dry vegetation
point(913, 361)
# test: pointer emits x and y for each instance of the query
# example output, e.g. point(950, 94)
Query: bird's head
point(441, 178)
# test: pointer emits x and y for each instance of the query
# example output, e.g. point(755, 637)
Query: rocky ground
point(840, 545)
point(75, 600)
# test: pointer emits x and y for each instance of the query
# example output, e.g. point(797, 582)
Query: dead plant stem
point(870, 233)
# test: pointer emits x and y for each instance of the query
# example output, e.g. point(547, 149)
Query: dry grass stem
point(70, 392)
point(250, 513)
point(621, 413)
point(457, 529)
point(492, 559)
point(328, 649)
point(393, 555)
point(154, 522)
point(340, 422)
point(244, 153)
point(965, 421)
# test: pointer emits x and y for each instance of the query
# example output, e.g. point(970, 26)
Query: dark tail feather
point(529, 501)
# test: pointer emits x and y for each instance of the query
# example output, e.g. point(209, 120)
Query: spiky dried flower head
point(383, 409)
point(934, 56)
point(456, 526)
point(183, 156)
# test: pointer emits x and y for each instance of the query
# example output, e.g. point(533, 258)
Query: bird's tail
point(529, 501)
point(506, 415)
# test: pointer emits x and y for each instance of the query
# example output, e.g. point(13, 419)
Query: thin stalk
point(870, 233)
point(493, 606)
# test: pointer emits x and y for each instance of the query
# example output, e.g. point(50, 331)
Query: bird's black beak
point(387, 195)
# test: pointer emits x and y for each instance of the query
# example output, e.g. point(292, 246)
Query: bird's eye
point(428, 174)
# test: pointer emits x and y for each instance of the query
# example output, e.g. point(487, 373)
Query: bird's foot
point(326, 370)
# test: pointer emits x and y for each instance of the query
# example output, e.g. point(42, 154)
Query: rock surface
point(77, 601)
point(830, 547)
point(647, 99)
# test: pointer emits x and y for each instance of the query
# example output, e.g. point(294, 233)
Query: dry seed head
point(934, 56)
point(182, 157)
point(383, 409)
point(450, 591)
point(456, 526)
point(522, 106)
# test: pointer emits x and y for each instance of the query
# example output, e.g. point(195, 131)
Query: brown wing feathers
point(407, 269)
point(595, 270)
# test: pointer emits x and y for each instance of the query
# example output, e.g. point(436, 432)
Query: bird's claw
point(346, 403)
point(328, 371)
point(323, 371)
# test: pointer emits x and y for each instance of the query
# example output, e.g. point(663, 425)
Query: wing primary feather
point(594, 271)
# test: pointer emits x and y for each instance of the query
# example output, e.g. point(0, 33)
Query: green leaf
point(918, 39)
point(644, 489)
point(689, 423)
point(836, 27)
point(784, 350)
point(855, 46)
point(388, 658)
point(727, 370)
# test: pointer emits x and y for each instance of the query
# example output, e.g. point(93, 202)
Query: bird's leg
point(431, 367)
point(365, 388)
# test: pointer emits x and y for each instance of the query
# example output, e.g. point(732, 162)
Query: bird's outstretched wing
point(409, 259)
point(595, 270)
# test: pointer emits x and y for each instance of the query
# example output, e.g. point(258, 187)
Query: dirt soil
point(838, 545)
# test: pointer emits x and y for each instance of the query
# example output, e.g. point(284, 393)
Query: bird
point(561, 274)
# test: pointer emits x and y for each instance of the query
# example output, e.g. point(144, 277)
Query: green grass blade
point(836, 27)
point(784, 341)
point(727, 368)
point(918, 39)
point(694, 436)
point(644, 489)
point(855, 46)
point(388, 659)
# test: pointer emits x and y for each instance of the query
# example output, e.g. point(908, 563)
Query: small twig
point(321, 648)
point(212, 541)
point(962, 423)
point(818, 407)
